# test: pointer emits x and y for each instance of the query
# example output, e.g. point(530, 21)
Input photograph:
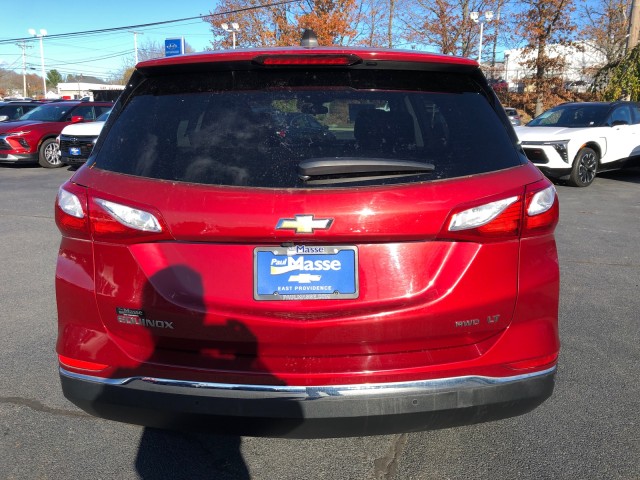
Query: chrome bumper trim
point(315, 392)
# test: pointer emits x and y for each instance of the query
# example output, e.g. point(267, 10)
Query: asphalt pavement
point(589, 429)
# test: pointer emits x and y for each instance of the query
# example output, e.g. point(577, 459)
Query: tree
point(333, 21)
point(608, 22)
point(149, 50)
point(542, 23)
point(622, 79)
point(446, 25)
point(11, 82)
point(81, 77)
point(375, 24)
point(53, 78)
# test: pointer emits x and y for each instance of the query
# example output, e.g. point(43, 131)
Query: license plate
point(305, 272)
point(74, 151)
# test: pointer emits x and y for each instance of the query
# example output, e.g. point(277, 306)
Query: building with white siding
point(582, 60)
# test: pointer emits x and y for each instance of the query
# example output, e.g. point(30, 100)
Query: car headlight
point(18, 137)
point(560, 146)
point(18, 134)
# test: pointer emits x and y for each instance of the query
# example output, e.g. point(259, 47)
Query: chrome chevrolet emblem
point(303, 223)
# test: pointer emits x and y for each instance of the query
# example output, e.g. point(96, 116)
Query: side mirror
point(77, 118)
point(4, 118)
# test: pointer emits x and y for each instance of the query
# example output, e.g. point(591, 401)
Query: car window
point(47, 113)
point(299, 121)
point(100, 112)
point(635, 110)
point(85, 111)
point(227, 130)
point(572, 116)
point(12, 111)
point(103, 116)
point(620, 114)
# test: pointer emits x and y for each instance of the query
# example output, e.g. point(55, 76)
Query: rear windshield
point(259, 128)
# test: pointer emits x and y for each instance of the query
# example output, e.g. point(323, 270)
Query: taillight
point(71, 211)
point(512, 216)
point(483, 215)
point(79, 216)
point(117, 221)
point(494, 220)
point(542, 209)
point(131, 217)
point(304, 60)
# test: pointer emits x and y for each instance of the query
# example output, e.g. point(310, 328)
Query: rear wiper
point(352, 166)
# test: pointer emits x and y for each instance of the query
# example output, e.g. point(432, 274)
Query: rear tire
point(49, 154)
point(585, 167)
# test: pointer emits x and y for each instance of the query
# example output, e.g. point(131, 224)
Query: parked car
point(499, 85)
point(514, 116)
point(13, 110)
point(32, 138)
point(300, 127)
point(575, 141)
point(579, 86)
point(76, 141)
point(400, 276)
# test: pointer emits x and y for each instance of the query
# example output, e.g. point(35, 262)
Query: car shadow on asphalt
point(200, 447)
point(630, 175)
point(166, 454)
point(17, 166)
point(188, 433)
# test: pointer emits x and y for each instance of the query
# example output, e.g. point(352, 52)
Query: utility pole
point(23, 45)
point(634, 26)
point(135, 45)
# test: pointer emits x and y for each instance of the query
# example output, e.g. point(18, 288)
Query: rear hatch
point(317, 256)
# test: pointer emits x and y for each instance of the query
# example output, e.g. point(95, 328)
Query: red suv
point(400, 274)
point(32, 138)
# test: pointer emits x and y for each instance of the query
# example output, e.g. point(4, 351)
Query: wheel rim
point(52, 154)
point(587, 167)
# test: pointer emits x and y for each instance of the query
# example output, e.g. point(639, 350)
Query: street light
point(233, 29)
point(43, 32)
point(475, 16)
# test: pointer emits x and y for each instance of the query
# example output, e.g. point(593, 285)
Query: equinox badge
point(304, 224)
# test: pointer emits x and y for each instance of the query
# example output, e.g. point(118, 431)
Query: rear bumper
point(69, 160)
point(324, 411)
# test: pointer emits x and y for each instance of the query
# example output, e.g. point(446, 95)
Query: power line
point(144, 25)
point(53, 61)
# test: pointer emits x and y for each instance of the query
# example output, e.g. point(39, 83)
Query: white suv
point(574, 141)
point(76, 141)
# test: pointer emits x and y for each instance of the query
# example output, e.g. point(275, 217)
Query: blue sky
point(103, 54)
